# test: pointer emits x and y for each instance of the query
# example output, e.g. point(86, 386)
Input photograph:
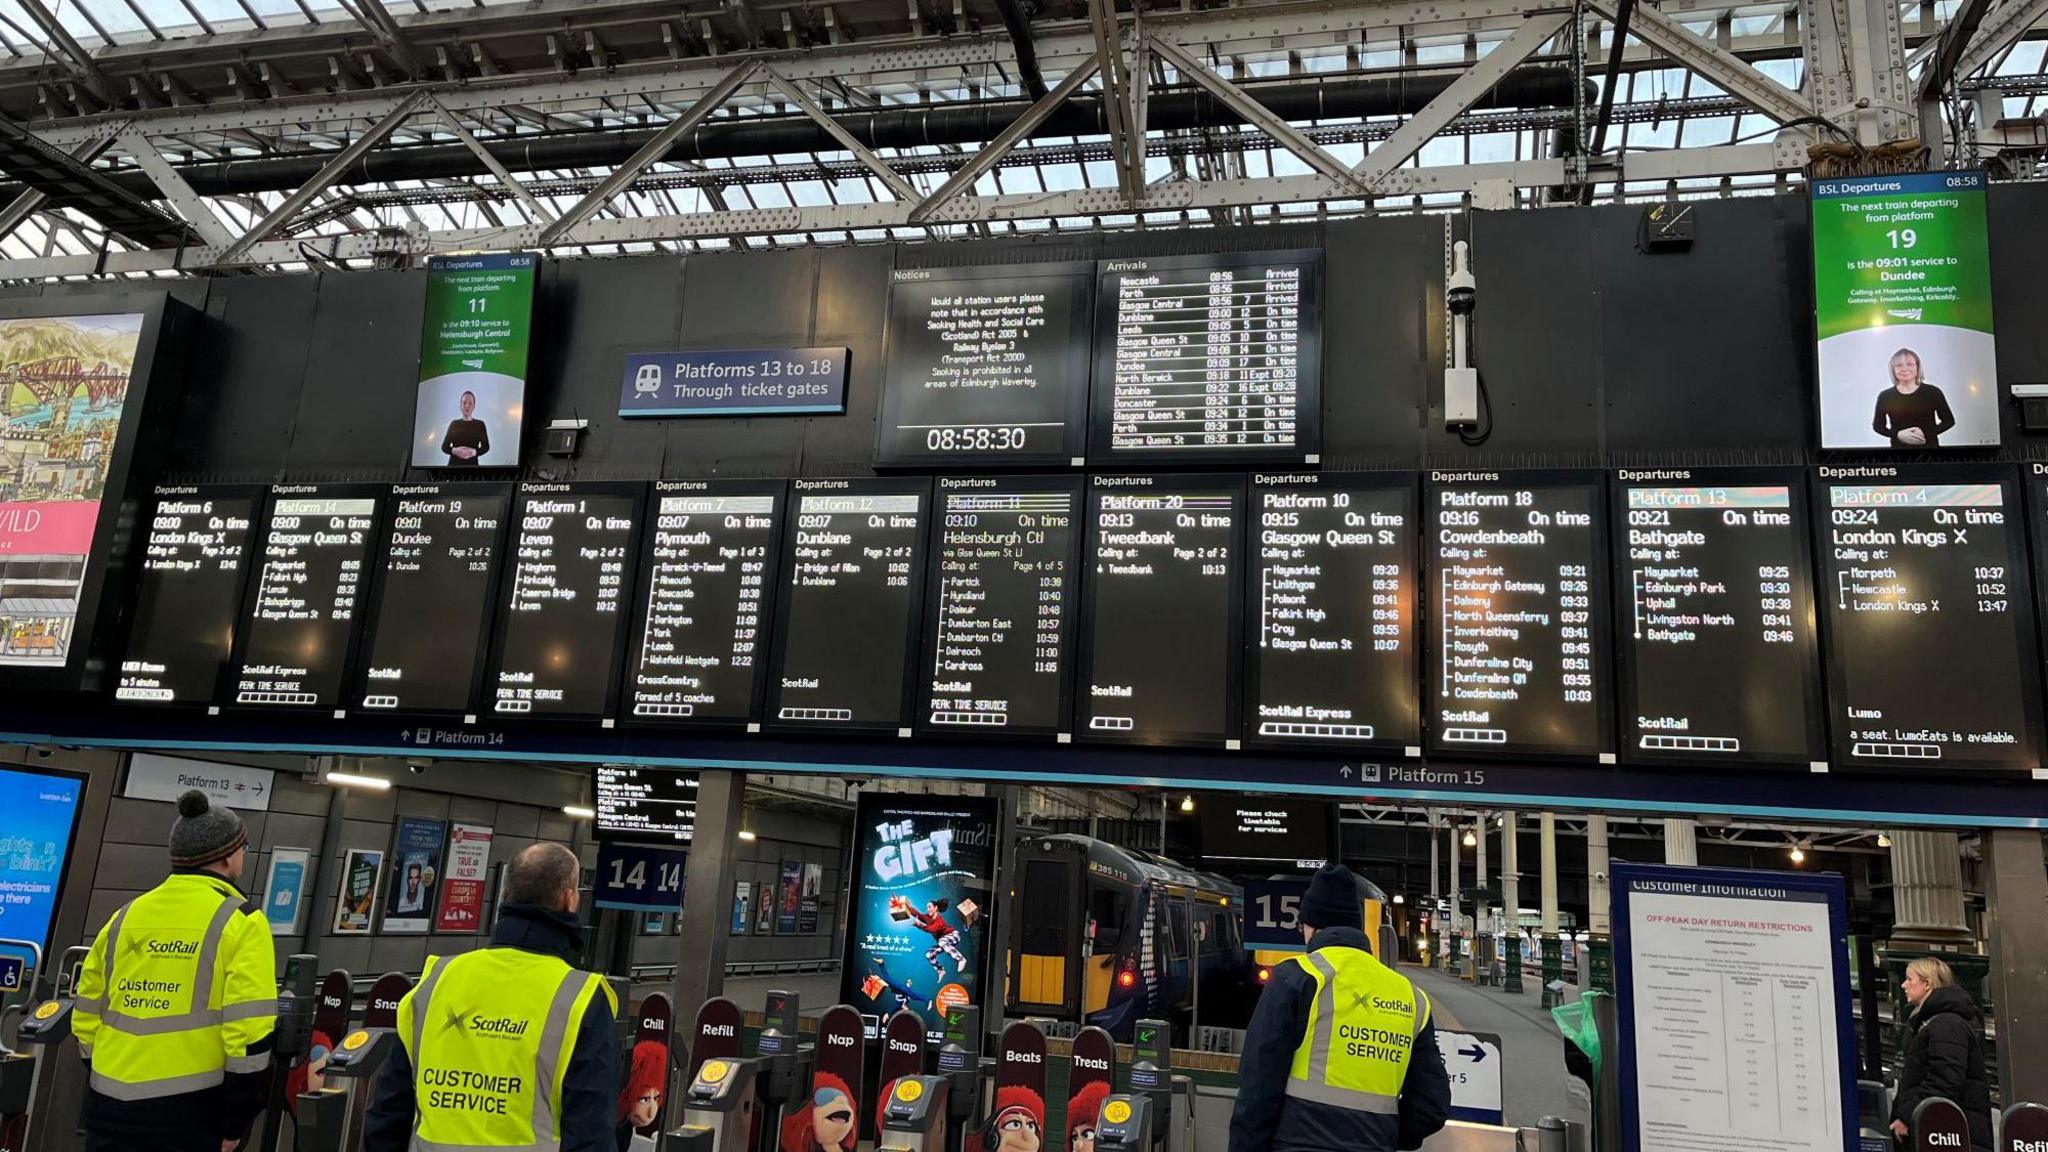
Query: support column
point(1681, 842)
point(2017, 922)
point(708, 878)
point(1435, 893)
point(1511, 900)
point(1482, 929)
point(1599, 954)
point(1546, 865)
point(1927, 890)
point(1451, 838)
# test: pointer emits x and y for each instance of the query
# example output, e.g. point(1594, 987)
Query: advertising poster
point(923, 875)
point(284, 890)
point(469, 869)
point(788, 898)
point(473, 346)
point(1902, 310)
point(764, 908)
point(63, 384)
point(416, 845)
point(356, 902)
point(807, 902)
point(742, 897)
point(42, 820)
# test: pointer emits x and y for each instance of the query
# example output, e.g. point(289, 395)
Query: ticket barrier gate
point(1142, 1120)
point(733, 1104)
point(44, 1029)
point(19, 1071)
point(934, 1113)
point(330, 1115)
point(1873, 1117)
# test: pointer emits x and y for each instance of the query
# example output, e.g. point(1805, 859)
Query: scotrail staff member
point(178, 1000)
point(1341, 1052)
point(509, 1046)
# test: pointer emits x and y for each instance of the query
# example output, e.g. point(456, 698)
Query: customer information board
point(1930, 618)
point(299, 630)
point(431, 610)
point(186, 600)
point(575, 552)
point(1902, 311)
point(473, 353)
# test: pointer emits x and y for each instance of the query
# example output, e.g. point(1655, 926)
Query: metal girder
point(389, 33)
point(1698, 54)
point(1455, 100)
point(656, 147)
point(1856, 67)
point(189, 204)
point(2002, 26)
point(72, 54)
point(902, 187)
point(1256, 114)
point(31, 201)
point(533, 207)
point(1109, 53)
point(70, 183)
point(331, 171)
point(992, 153)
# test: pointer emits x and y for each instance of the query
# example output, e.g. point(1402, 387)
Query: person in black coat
point(1944, 1052)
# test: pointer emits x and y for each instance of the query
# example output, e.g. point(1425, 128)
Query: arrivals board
point(706, 602)
point(1162, 610)
point(304, 599)
point(1208, 359)
point(1714, 605)
point(1006, 555)
point(187, 595)
point(986, 365)
point(431, 610)
point(847, 617)
point(646, 803)
point(1332, 656)
point(575, 548)
point(1929, 614)
point(1516, 569)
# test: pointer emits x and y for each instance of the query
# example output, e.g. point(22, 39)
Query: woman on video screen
point(1911, 413)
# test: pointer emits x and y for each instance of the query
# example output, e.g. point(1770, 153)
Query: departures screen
point(986, 365)
point(1333, 657)
point(849, 609)
point(1162, 620)
point(698, 645)
point(188, 594)
point(1005, 565)
point(1517, 578)
point(1931, 657)
point(307, 594)
point(646, 803)
point(574, 554)
point(430, 621)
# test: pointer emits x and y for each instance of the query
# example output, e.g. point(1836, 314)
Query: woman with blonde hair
point(1944, 1052)
point(1911, 413)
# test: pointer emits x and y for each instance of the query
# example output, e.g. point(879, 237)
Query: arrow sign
point(1470, 1060)
point(1475, 1053)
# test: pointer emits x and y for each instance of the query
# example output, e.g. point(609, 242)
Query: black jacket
point(1945, 1058)
point(590, 1087)
point(1265, 1118)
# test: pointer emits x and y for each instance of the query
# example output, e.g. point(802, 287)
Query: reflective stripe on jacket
point(1362, 1027)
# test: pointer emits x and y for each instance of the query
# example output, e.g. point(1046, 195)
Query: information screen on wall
point(1517, 578)
point(188, 595)
point(307, 593)
point(986, 365)
point(850, 607)
point(1714, 590)
point(42, 813)
point(646, 803)
point(473, 346)
point(432, 607)
point(1902, 310)
point(1162, 611)
point(1265, 828)
point(1929, 613)
point(1208, 358)
point(707, 602)
point(1005, 592)
point(574, 556)
point(1333, 656)
point(922, 891)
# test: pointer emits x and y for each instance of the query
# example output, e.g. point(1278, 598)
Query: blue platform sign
point(640, 877)
point(735, 382)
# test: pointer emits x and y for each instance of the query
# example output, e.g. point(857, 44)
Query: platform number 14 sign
point(640, 877)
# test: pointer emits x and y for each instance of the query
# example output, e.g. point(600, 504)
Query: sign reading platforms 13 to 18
point(1902, 309)
point(473, 342)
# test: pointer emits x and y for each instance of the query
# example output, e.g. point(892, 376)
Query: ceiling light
point(747, 834)
point(1884, 840)
point(352, 780)
point(579, 811)
point(1187, 803)
point(1471, 838)
point(1400, 899)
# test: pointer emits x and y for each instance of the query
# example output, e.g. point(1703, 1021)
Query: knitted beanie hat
point(204, 833)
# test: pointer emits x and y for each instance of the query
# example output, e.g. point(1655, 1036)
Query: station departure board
point(652, 804)
point(188, 594)
point(1714, 605)
point(306, 596)
point(986, 366)
point(1929, 612)
point(700, 637)
point(848, 612)
point(431, 610)
point(1332, 657)
point(1162, 610)
point(1208, 359)
point(1516, 569)
point(575, 550)
point(1006, 556)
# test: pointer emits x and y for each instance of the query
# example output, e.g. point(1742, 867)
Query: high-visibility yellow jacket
point(1362, 1028)
point(178, 997)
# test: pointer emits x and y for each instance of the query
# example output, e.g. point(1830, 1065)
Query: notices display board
point(707, 602)
point(1714, 586)
point(473, 346)
point(1733, 995)
point(462, 885)
point(986, 365)
point(575, 548)
point(1209, 358)
point(431, 611)
point(194, 565)
point(42, 821)
point(658, 805)
point(922, 889)
point(1517, 577)
point(1929, 613)
point(1902, 309)
point(307, 595)
point(1266, 828)
point(416, 846)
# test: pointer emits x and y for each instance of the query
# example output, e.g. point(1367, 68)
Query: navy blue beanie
point(1333, 900)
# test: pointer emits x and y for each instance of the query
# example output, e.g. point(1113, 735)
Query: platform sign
point(735, 382)
point(1472, 1060)
point(1272, 915)
point(473, 344)
point(640, 877)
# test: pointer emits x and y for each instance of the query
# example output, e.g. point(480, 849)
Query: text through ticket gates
point(330, 1117)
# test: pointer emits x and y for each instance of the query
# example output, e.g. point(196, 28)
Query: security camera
point(1461, 380)
point(416, 765)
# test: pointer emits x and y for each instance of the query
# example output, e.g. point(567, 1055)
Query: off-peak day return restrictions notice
point(711, 564)
point(187, 596)
point(302, 616)
point(431, 615)
point(1517, 570)
point(1931, 659)
point(573, 562)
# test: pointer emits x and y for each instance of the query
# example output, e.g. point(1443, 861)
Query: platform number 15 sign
point(1272, 915)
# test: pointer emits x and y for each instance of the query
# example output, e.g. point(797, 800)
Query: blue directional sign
point(640, 877)
point(735, 382)
point(1272, 915)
